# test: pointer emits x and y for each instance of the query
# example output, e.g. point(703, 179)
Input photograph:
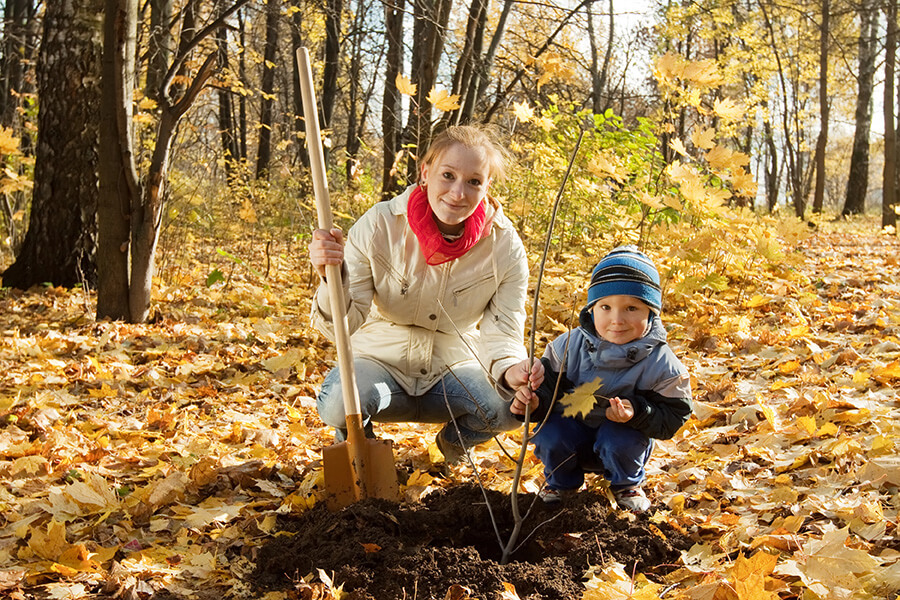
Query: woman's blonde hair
point(481, 138)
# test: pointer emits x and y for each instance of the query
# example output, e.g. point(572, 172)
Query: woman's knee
point(330, 401)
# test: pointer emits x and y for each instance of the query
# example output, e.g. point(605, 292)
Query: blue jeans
point(476, 406)
point(568, 448)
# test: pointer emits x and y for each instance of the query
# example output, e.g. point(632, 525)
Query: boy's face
point(620, 319)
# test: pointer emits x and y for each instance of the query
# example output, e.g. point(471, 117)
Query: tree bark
point(428, 44)
point(227, 122)
point(858, 180)
point(118, 179)
point(333, 13)
point(483, 72)
point(468, 61)
point(822, 141)
point(18, 51)
point(299, 127)
point(889, 176)
point(599, 74)
point(391, 117)
point(130, 211)
point(264, 148)
point(60, 246)
point(160, 45)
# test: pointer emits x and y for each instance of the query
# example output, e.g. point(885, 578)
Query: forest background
point(156, 202)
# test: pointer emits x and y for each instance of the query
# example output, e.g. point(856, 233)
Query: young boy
point(644, 390)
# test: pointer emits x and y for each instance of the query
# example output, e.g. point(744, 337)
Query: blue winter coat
point(644, 371)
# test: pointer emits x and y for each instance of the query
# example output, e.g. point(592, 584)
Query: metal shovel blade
point(341, 482)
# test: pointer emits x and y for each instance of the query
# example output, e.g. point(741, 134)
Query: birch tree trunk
point(822, 141)
point(889, 176)
point(60, 245)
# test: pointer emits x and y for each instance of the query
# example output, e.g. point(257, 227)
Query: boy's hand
point(620, 410)
point(524, 381)
point(524, 397)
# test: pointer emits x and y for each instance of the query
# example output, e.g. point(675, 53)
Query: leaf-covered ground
point(167, 460)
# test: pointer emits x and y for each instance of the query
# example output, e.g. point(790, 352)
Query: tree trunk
point(771, 168)
point(822, 141)
point(264, 149)
point(468, 60)
point(858, 180)
point(118, 180)
point(227, 125)
point(889, 176)
point(333, 13)
point(391, 117)
point(428, 44)
point(160, 45)
point(483, 72)
point(599, 74)
point(130, 213)
point(17, 53)
point(60, 246)
point(296, 98)
point(242, 100)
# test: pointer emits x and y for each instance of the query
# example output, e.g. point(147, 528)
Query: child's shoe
point(632, 499)
point(553, 496)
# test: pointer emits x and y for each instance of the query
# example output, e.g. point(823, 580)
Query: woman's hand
point(524, 381)
point(326, 248)
point(620, 410)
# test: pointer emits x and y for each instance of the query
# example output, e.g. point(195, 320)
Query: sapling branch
point(514, 495)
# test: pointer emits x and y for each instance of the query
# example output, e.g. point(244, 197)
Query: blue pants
point(479, 410)
point(568, 448)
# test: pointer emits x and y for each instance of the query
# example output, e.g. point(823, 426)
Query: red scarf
point(435, 247)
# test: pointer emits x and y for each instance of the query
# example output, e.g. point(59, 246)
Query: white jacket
point(412, 317)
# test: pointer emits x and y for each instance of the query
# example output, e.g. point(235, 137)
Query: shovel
point(358, 467)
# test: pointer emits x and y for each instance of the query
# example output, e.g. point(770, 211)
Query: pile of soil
point(383, 550)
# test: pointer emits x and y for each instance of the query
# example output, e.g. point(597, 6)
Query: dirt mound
point(384, 551)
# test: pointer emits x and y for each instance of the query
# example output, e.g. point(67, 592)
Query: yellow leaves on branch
point(440, 99)
point(405, 86)
point(672, 68)
point(522, 111)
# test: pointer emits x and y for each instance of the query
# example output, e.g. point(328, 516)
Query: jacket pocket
point(396, 279)
point(471, 290)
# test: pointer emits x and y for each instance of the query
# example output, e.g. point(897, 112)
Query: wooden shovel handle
point(323, 209)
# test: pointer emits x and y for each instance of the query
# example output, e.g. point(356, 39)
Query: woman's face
point(456, 182)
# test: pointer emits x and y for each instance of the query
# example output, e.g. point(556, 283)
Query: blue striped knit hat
point(625, 271)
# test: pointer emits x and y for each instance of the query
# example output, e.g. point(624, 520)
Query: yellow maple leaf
point(522, 111)
point(52, 544)
point(9, 143)
point(668, 67)
point(888, 372)
point(678, 147)
point(703, 72)
point(606, 164)
point(650, 200)
point(743, 183)
point(672, 202)
point(703, 138)
point(405, 86)
point(719, 157)
point(104, 392)
point(581, 400)
point(442, 100)
point(727, 109)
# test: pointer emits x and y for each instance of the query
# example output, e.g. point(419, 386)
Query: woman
point(436, 280)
